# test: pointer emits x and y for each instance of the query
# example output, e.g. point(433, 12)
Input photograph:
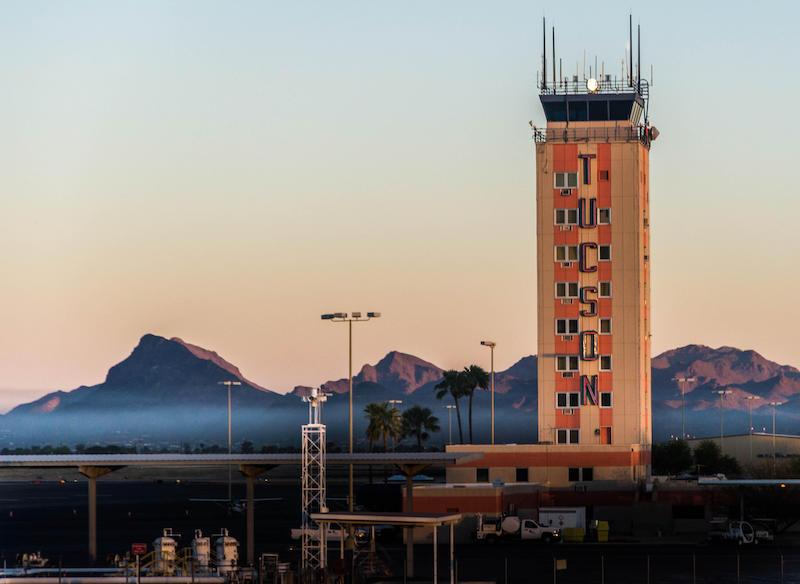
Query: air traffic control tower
point(593, 265)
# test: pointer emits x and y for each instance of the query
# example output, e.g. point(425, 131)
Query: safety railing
point(595, 134)
point(576, 87)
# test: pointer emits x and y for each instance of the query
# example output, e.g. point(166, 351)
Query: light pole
point(395, 403)
point(229, 384)
point(774, 409)
point(491, 345)
point(681, 384)
point(350, 319)
point(722, 393)
point(750, 399)
point(450, 408)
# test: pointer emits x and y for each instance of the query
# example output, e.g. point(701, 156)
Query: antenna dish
point(592, 85)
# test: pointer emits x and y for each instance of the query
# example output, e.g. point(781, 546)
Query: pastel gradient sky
point(225, 172)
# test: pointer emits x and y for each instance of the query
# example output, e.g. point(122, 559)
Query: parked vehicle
point(508, 527)
point(563, 517)
point(739, 532)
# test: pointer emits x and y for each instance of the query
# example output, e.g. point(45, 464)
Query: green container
point(602, 531)
point(574, 534)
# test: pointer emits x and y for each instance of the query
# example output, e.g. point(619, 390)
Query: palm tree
point(384, 423)
point(474, 377)
point(452, 384)
point(417, 422)
point(374, 415)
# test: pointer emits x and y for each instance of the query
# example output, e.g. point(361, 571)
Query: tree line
point(387, 424)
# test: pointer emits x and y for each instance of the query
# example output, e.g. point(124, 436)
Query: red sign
point(138, 549)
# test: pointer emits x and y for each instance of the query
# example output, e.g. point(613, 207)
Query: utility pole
point(774, 409)
point(229, 384)
point(492, 345)
point(450, 408)
point(350, 319)
point(750, 399)
point(722, 393)
point(681, 384)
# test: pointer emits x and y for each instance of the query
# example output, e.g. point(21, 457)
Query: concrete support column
point(92, 473)
point(251, 473)
point(410, 530)
point(435, 554)
point(409, 470)
point(251, 519)
point(452, 554)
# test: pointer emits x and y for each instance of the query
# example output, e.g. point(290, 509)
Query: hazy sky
point(225, 172)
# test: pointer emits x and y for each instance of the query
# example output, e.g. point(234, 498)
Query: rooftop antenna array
point(594, 74)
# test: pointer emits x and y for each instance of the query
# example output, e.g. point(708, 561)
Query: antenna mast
point(639, 58)
point(630, 50)
point(544, 54)
point(554, 59)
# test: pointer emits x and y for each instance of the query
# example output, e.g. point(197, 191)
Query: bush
point(672, 458)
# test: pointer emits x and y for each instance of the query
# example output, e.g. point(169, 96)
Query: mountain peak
point(160, 362)
point(723, 365)
point(214, 357)
point(400, 371)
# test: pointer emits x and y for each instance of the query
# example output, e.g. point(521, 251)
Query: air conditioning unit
point(567, 374)
point(566, 337)
point(568, 228)
point(566, 192)
point(567, 301)
point(566, 264)
point(568, 411)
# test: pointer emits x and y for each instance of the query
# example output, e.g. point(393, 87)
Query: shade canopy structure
point(405, 520)
point(398, 519)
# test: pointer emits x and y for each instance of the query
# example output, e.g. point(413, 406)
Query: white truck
point(493, 529)
point(563, 517)
point(739, 532)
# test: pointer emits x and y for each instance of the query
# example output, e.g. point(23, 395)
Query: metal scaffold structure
point(313, 485)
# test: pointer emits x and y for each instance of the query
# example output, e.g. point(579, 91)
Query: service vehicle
point(739, 532)
point(563, 517)
point(508, 527)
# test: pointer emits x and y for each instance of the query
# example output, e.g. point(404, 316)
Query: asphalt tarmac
point(48, 513)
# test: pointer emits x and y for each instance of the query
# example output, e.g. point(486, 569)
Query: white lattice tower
point(313, 485)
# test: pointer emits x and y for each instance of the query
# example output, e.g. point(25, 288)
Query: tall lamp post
point(450, 408)
point(722, 393)
point(395, 403)
point(491, 345)
point(681, 384)
point(229, 384)
point(750, 399)
point(350, 319)
point(774, 409)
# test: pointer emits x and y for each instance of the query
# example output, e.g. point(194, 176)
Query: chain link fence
point(587, 567)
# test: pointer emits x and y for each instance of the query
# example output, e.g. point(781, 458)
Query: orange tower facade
point(593, 265)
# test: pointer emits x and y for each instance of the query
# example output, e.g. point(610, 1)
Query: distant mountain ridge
point(168, 389)
point(396, 372)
